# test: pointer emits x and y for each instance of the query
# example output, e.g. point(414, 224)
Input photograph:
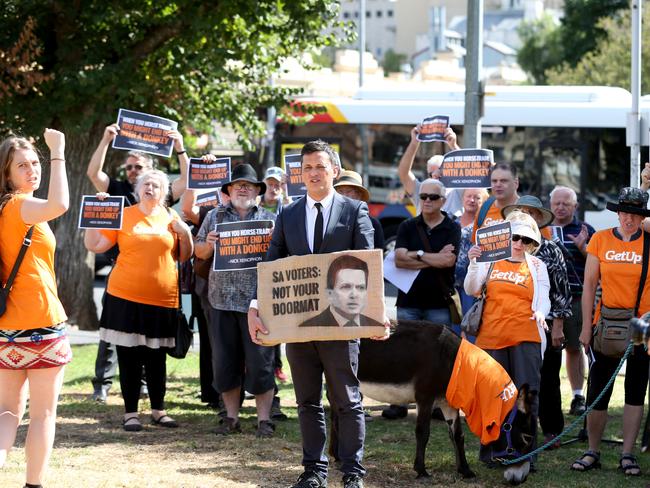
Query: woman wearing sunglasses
point(516, 304)
point(551, 418)
point(614, 259)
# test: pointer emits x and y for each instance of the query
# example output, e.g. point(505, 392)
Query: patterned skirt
point(47, 347)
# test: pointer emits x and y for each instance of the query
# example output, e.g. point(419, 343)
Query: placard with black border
point(208, 175)
point(495, 242)
point(144, 132)
point(433, 129)
point(210, 198)
point(101, 214)
point(241, 245)
point(467, 168)
point(293, 165)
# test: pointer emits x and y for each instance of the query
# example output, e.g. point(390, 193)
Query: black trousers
point(338, 360)
point(208, 393)
point(131, 361)
point(551, 418)
point(105, 366)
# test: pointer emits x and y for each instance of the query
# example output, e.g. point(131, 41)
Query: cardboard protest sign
point(321, 297)
point(101, 214)
point(209, 198)
point(467, 168)
point(495, 242)
point(241, 245)
point(433, 129)
point(293, 167)
point(202, 175)
point(144, 132)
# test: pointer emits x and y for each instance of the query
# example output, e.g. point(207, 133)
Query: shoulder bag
point(184, 334)
point(612, 332)
point(4, 290)
point(451, 294)
point(202, 267)
point(471, 322)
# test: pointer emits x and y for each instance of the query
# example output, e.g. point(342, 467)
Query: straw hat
point(352, 178)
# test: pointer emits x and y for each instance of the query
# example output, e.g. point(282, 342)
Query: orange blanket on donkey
point(480, 387)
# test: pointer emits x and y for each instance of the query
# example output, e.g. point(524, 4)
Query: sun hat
point(524, 225)
point(533, 202)
point(275, 173)
point(631, 200)
point(244, 172)
point(352, 178)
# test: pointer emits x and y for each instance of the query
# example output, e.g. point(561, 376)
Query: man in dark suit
point(321, 222)
point(347, 292)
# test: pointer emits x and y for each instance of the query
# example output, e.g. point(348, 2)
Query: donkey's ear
point(524, 399)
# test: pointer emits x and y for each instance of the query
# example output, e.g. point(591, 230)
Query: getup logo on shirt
point(490, 221)
point(510, 276)
point(623, 257)
point(509, 392)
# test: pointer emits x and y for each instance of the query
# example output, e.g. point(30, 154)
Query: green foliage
point(541, 47)
point(546, 45)
point(609, 63)
point(393, 61)
point(189, 60)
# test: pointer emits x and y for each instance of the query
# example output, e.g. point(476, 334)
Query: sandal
point(132, 424)
point(586, 466)
point(164, 421)
point(630, 468)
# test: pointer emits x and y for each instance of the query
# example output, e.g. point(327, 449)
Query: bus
point(555, 135)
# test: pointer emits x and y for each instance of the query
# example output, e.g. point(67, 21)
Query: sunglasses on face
point(430, 196)
point(526, 240)
point(137, 167)
point(244, 187)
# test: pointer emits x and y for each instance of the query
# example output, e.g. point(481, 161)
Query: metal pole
point(473, 64)
point(362, 127)
point(362, 38)
point(634, 121)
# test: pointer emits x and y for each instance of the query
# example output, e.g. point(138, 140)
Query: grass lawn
point(92, 450)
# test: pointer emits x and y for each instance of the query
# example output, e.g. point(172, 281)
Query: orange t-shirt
point(620, 271)
point(481, 388)
point(493, 216)
point(507, 310)
point(145, 271)
point(33, 301)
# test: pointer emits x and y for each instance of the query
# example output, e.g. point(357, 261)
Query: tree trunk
point(74, 265)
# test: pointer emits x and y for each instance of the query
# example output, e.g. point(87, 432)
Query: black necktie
point(350, 323)
point(318, 228)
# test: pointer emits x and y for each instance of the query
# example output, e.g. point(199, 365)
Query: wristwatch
point(419, 254)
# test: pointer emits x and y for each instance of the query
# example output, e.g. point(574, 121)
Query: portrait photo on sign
point(322, 297)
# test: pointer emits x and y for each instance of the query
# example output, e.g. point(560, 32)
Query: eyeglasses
point(242, 186)
point(129, 167)
point(430, 196)
point(526, 240)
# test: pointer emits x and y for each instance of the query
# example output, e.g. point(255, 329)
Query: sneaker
point(394, 412)
point(309, 479)
point(280, 375)
point(265, 428)
point(352, 481)
point(100, 395)
point(227, 426)
point(578, 405)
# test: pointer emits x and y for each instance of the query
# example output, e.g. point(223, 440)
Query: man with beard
point(230, 293)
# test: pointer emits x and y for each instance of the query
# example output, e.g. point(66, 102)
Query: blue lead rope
point(579, 419)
